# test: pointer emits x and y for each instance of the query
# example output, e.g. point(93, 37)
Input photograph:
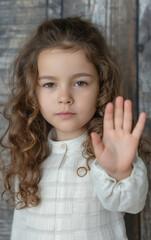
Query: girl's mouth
point(65, 115)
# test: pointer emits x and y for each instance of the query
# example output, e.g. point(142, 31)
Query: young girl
point(73, 154)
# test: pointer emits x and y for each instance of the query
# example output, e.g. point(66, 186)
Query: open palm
point(117, 150)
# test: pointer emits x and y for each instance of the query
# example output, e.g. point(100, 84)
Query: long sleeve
point(127, 195)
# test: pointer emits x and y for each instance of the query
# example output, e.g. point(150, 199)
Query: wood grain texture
point(122, 41)
point(54, 9)
point(6, 216)
point(144, 74)
point(22, 4)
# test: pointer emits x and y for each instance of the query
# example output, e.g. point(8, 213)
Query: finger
point(118, 118)
point(139, 126)
point(127, 122)
point(97, 144)
point(108, 117)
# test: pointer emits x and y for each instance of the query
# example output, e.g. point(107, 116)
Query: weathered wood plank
point(145, 97)
point(15, 43)
point(122, 38)
point(54, 9)
point(6, 217)
point(6, 59)
point(16, 31)
point(24, 3)
point(22, 16)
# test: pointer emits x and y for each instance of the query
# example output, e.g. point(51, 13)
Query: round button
point(81, 171)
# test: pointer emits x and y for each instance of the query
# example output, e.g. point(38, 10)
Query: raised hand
point(116, 152)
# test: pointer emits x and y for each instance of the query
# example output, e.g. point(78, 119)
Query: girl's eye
point(80, 84)
point(49, 85)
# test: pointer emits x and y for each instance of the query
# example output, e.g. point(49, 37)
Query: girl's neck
point(63, 136)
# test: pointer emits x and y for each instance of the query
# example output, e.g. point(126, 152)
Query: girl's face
point(67, 90)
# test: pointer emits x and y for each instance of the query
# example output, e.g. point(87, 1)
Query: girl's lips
point(65, 115)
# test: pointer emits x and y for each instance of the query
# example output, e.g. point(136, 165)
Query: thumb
point(97, 145)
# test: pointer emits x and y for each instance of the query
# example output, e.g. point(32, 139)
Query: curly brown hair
point(25, 139)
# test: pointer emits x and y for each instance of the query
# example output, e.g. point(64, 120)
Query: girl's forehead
point(60, 53)
point(59, 50)
point(64, 62)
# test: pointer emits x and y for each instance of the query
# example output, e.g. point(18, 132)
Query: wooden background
point(126, 24)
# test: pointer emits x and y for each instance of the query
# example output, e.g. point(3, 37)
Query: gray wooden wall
point(126, 24)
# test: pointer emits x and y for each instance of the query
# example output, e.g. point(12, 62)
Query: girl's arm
point(127, 195)
point(121, 171)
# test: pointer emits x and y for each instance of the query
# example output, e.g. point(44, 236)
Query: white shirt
point(80, 208)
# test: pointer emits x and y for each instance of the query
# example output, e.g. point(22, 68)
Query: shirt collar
point(74, 144)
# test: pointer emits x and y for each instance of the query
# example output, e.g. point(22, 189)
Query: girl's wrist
point(121, 175)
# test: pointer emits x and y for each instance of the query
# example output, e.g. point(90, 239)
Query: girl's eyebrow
point(74, 76)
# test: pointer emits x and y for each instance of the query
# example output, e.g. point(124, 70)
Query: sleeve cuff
point(126, 195)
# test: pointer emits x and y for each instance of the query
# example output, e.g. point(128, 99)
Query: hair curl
point(27, 132)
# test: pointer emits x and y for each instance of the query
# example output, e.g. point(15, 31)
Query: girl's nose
point(65, 98)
